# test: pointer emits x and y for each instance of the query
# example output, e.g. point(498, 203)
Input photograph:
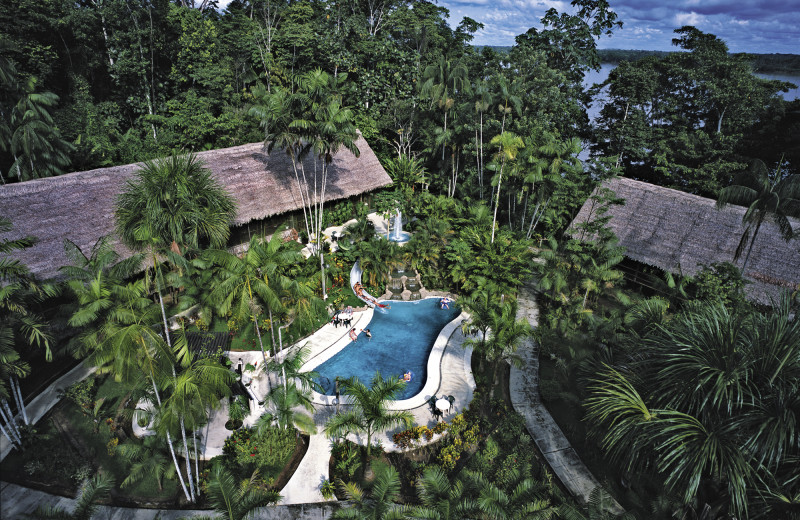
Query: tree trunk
point(13, 433)
point(497, 201)
point(18, 396)
point(752, 241)
point(188, 460)
point(171, 447)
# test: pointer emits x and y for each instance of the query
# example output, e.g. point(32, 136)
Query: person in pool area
point(353, 334)
point(407, 376)
point(367, 333)
point(444, 303)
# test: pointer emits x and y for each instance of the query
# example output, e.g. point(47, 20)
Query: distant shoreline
point(763, 63)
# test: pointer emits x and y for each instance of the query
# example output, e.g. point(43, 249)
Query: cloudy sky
point(759, 26)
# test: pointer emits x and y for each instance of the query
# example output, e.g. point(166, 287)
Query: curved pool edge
point(433, 368)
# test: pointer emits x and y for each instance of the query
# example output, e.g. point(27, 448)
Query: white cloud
point(689, 18)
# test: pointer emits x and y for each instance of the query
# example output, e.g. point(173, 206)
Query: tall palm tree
point(127, 346)
point(369, 412)
point(192, 393)
point(379, 503)
point(767, 195)
point(508, 146)
point(232, 501)
point(85, 506)
point(441, 82)
point(255, 280)
point(175, 202)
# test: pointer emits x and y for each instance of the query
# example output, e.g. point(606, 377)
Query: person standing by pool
point(353, 334)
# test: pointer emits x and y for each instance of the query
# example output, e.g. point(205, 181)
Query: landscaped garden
point(680, 393)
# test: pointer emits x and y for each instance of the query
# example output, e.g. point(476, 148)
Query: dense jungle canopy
point(96, 83)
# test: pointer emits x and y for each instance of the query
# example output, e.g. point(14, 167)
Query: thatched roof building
point(80, 206)
point(677, 232)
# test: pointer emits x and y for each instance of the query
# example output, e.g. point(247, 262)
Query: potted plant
point(238, 409)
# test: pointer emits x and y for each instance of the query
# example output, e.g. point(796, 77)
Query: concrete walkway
point(17, 501)
point(524, 388)
point(42, 403)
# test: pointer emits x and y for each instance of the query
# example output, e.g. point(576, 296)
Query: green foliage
point(82, 394)
point(267, 450)
point(721, 281)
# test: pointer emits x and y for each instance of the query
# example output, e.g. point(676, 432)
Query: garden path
point(524, 388)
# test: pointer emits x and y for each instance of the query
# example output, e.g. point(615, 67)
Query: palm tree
point(483, 100)
point(19, 325)
point(85, 503)
point(508, 146)
point(441, 499)
point(441, 81)
point(710, 401)
point(766, 194)
point(523, 498)
point(192, 392)
point(236, 502)
point(127, 346)
point(175, 203)
point(147, 460)
point(289, 406)
point(256, 279)
point(379, 503)
point(27, 128)
point(369, 412)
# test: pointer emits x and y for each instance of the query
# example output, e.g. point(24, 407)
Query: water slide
point(355, 277)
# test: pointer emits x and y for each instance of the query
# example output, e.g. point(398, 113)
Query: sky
point(757, 26)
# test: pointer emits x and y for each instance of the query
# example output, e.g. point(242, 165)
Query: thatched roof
point(677, 232)
point(80, 206)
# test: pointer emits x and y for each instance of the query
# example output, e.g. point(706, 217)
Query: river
point(601, 75)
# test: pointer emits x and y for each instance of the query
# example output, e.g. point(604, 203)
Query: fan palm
point(711, 398)
point(174, 201)
point(369, 412)
point(767, 195)
point(85, 503)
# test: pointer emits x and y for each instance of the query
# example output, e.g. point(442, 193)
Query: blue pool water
point(401, 340)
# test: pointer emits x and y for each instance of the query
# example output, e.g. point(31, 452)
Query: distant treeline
point(764, 63)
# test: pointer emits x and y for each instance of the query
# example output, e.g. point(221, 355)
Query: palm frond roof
point(679, 232)
point(80, 206)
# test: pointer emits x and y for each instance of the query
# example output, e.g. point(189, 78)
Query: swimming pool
point(401, 340)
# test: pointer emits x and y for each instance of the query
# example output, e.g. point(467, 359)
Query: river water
point(606, 68)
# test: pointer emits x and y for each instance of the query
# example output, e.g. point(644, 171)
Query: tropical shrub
point(267, 450)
